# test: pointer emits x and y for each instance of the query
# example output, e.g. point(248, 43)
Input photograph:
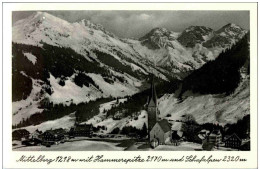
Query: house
point(81, 130)
point(20, 133)
point(215, 137)
point(37, 134)
point(161, 131)
point(35, 138)
point(53, 136)
point(233, 141)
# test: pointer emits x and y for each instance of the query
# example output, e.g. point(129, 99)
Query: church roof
point(164, 124)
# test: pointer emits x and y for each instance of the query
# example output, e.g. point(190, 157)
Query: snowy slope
point(209, 108)
point(65, 122)
point(110, 123)
point(83, 37)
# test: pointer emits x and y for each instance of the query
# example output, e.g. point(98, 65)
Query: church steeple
point(152, 106)
point(153, 96)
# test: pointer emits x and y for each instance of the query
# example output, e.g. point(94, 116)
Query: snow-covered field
point(65, 122)
point(83, 145)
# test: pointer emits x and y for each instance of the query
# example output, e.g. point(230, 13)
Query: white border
point(10, 156)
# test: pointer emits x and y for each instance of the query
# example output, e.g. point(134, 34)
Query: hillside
point(217, 92)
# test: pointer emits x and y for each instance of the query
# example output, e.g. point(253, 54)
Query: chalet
point(37, 134)
point(53, 136)
point(215, 137)
point(35, 138)
point(20, 133)
point(233, 141)
point(161, 131)
point(81, 130)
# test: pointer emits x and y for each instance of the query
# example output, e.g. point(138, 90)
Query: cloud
point(144, 16)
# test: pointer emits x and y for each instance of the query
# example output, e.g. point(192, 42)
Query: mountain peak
point(226, 35)
point(158, 38)
point(230, 27)
point(195, 34)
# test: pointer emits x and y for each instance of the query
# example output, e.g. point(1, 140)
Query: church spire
point(153, 96)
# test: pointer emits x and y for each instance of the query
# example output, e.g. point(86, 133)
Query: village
point(161, 134)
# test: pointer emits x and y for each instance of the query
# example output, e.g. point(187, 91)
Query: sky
point(135, 24)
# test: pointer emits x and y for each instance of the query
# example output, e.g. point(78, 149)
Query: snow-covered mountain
point(181, 52)
point(67, 63)
point(195, 34)
point(228, 34)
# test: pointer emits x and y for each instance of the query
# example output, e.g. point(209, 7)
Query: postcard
point(130, 85)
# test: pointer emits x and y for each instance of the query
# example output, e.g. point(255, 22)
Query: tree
point(144, 131)
point(190, 128)
point(115, 130)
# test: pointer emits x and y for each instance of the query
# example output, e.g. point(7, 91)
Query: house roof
point(82, 127)
point(59, 131)
point(215, 133)
point(20, 131)
point(233, 135)
point(164, 124)
point(37, 131)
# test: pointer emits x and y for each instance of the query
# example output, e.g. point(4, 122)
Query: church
point(159, 130)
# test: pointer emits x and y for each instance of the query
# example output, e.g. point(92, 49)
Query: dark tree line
point(83, 112)
point(117, 65)
point(220, 75)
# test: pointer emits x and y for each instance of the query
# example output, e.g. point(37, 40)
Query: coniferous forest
point(222, 74)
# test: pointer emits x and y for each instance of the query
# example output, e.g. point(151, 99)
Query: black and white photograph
point(130, 80)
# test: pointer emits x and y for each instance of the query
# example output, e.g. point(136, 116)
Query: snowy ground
point(113, 145)
point(65, 122)
point(83, 145)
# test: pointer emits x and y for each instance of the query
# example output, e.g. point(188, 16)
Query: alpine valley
point(64, 72)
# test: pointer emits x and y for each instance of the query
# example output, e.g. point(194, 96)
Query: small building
point(20, 133)
point(53, 136)
point(37, 134)
point(161, 131)
point(233, 141)
point(81, 130)
point(215, 137)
